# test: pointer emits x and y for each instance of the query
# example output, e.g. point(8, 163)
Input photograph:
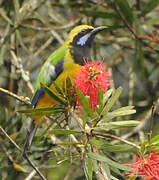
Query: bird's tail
point(30, 134)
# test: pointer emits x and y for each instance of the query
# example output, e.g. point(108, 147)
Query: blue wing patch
point(36, 97)
point(53, 74)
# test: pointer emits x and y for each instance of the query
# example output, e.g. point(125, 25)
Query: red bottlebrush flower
point(146, 167)
point(92, 77)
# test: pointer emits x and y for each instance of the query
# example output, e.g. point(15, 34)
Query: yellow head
point(83, 33)
point(80, 40)
point(75, 31)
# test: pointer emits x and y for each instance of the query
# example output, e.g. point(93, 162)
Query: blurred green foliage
point(30, 30)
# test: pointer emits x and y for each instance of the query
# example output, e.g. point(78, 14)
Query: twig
point(57, 36)
point(44, 46)
point(23, 154)
point(115, 137)
point(33, 166)
point(31, 175)
point(68, 25)
point(17, 62)
point(88, 130)
point(132, 30)
point(102, 170)
point(10, 139)
point(143, 121)
point(23, 99)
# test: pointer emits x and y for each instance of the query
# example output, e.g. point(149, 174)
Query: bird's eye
point(83, 30)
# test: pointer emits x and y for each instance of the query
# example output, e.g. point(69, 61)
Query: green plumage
point(47, 69)
point(66, 61)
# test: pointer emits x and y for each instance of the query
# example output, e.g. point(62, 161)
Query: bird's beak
point(98, 29)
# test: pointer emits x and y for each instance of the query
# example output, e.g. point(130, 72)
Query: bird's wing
point(50, 70)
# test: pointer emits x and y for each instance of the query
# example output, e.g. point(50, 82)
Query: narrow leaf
point(85, 103)
point(107, 95)
point(68, 143)
point(58, 89)
point(112, 100)
point(149, 7)
point(111, 115)
point(53, 95)
point(100, 144)
point(143, 146)
point(119, 124)
point(107, 169)
point(100, 100)
point(132, 178)
point(124, 108)
point(108, 161)
point(63, 131)
point(155, 140)
point(41, 111)
point(100, 14)
point(68, 82)
point(125, 10)
point(88, 168)
point(18, 167)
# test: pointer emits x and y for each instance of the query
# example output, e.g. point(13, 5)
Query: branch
point(17, 62)
point(143, 120)
point(88, 130)
point(115, 137)
point(132, 30)
point(23, 99)
point(23, 154)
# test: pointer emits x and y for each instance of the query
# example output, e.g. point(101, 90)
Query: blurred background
point(30, 30)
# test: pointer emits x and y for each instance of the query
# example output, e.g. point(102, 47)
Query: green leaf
point(100, 100)
point(100, 144)
point(85, 103)
point(41, 111)
point(125, 10)
point(124, 108)
point(68, 82)
point(58, 89)
point(155, 140)
point(88, 168)
point(115, 170)
point(53, 95)
point(119, 124)
point(107, 95)
point(154, 147)
point(68, 143)
point(149, 7)
point(117, 113)
point(63, 131)
point(143, 147)
point(108, 161)
point(19, 167)
point(107, 169)
point(132, 178)
point(70, 96)
point(112, 100)
point(112, 177)
point(100, 14)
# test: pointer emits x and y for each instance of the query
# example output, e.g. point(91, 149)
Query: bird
point(64, 62)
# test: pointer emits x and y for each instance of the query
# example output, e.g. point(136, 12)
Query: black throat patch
point(81, 46)
point(78, 53)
